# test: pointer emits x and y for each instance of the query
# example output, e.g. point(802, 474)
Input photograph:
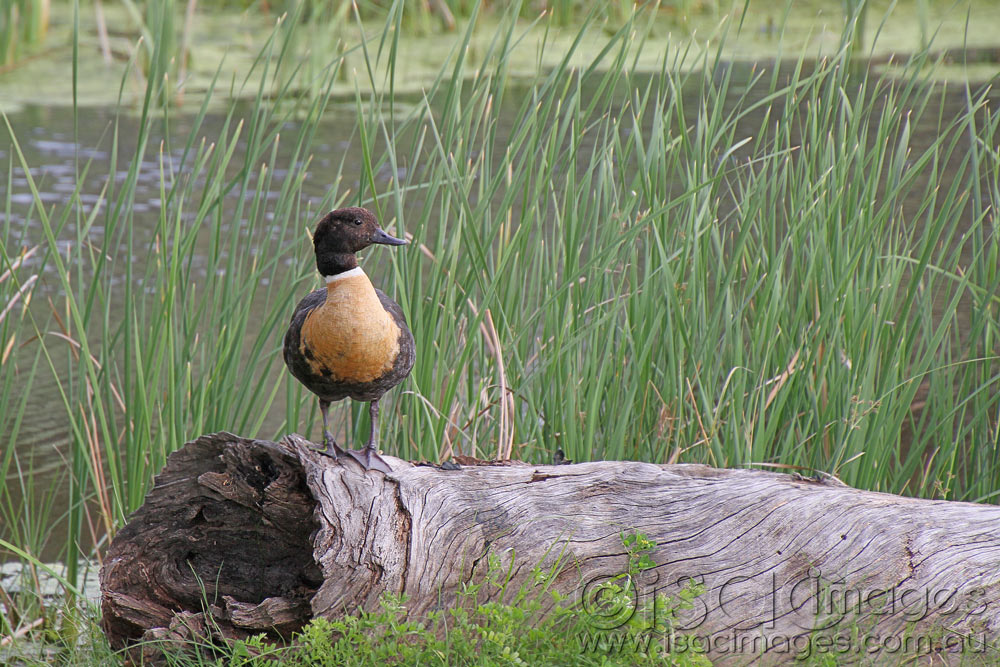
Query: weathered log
point(247, 536)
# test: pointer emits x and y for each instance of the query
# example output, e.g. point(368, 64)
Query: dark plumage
point(349, 340)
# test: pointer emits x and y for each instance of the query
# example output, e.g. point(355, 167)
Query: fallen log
point(240, 537)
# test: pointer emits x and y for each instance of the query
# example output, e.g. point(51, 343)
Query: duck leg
point(368, 457)
point(330, 446)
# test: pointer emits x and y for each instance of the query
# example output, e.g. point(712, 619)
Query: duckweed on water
point(766, 31)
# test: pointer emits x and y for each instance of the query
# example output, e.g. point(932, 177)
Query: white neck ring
point(356, 271)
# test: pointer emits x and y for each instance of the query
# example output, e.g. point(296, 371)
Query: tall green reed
point(23, 25)
point(678, 266)
point(154, 336)
point(670, 269)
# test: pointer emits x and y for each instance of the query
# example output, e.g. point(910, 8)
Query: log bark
point(243, 536)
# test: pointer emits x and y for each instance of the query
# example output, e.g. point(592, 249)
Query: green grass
point(491, 623)
point(798, 269)
point(207, 300)
point(742, 278)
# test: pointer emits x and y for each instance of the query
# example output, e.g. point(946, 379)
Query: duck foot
point(330, 447)
point(369, 459)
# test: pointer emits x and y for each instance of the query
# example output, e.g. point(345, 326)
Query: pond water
point(46, 135)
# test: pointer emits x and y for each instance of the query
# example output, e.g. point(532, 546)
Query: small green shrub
point(527, 630)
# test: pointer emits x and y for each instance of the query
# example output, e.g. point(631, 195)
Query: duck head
point(343, 232)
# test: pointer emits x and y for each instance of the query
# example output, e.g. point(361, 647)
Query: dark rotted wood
point(225, 524)
point(243, 536)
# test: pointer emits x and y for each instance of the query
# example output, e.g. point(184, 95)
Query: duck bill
point(381, 237)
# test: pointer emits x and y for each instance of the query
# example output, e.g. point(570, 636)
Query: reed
point(196, 349)
point(23, 26)
point(667, 267)
point(689, 273)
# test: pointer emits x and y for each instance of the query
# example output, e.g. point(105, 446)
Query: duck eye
point(357, 221)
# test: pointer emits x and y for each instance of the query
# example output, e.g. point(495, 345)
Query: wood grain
point(262, 536)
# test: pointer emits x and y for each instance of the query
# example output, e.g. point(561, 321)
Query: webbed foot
point(369, 459)
point(330, 447)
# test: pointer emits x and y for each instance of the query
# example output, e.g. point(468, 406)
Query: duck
point(348, 339)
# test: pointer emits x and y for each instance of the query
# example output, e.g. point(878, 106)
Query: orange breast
point(351, 338)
